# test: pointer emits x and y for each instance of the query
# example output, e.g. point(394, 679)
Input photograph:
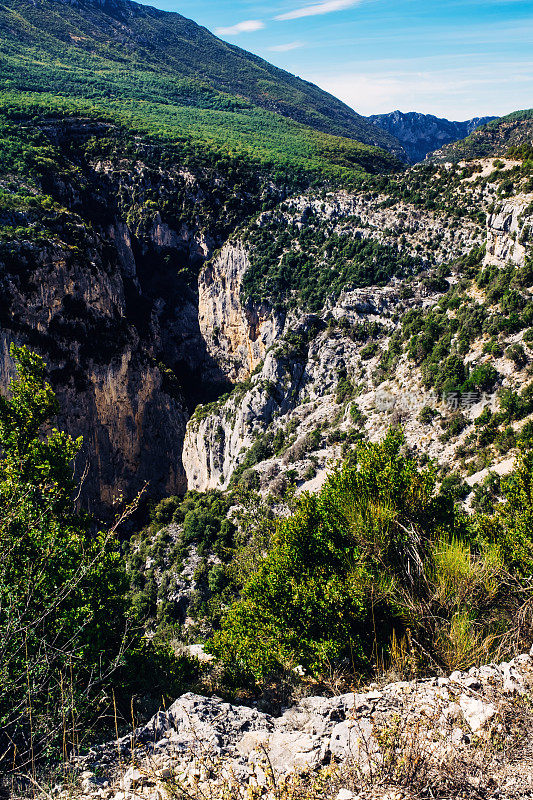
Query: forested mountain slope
point(493, 139)
point(126, 53)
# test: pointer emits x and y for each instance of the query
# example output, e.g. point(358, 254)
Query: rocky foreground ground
point(468, 735)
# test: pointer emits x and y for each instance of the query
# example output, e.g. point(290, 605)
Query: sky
point(456, 58)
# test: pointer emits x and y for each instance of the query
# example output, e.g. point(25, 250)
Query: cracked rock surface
point(201, 740)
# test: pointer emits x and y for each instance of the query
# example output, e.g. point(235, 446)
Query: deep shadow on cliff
point(100, 277)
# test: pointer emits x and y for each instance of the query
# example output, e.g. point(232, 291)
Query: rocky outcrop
point(200, 742)
point(293, 396)
point(293, 393)
point(242, 338)
point(433, 235)
point(237, 334)
point(219, 435)
point(505, 231)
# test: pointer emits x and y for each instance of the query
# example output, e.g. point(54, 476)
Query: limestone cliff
point(294, 396)
point(237, 334)
point(100, 277)
point(218, 436)
point(505, 232)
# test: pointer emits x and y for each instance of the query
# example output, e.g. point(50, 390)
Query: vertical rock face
point(216, 441)
point(504, 232)
point(237, 334)
point(106, 291)
point(110, 388)
point(132, 433)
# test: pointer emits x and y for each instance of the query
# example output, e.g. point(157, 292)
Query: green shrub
point(369, 351)
point(482, 377)
point(325, 589)
point(454, 486)
point(517, 354)
point(487, 494)
point(427, 415)
point(163, 513)
point(249, 480)
point(345, 389)
point(63, 587)
point(510, 528)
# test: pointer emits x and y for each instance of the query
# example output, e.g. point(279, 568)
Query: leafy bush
point(517, 354)
point(325, 590)
point(345, 388)
point(163, 513)
point(510, 528)
point(369, 351)
point(427, 415)
point(379, 555)
point(63, 588)
point(454, 486)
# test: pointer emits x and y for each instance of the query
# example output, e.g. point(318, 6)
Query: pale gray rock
point(477, 713)
point(345, 794)
point(197, 651)
point(196, 733)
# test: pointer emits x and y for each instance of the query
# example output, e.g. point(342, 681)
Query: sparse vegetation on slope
point(496, 138)
point(303, 266)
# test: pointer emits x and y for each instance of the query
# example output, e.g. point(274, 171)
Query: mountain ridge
point(421, 134)
point(497, 138)
point(168, 58)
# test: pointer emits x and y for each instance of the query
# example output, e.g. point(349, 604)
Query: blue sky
point(457, 59)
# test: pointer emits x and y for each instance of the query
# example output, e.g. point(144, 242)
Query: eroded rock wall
point(237, 333)
point(107, 293)
point(505, 230)
point(294, 393)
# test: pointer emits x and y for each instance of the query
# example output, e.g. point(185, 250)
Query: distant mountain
point(119, 51)
point(514, 131)
point(420, 134)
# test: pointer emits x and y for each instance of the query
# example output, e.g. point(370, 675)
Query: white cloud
point(318, 8)
point(453, 93)
point(247, 26)
point(285, 48)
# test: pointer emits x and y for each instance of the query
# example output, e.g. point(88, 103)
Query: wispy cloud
point(318, 8)
point(284, 48)
point(247, 26)
point(454, 93)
